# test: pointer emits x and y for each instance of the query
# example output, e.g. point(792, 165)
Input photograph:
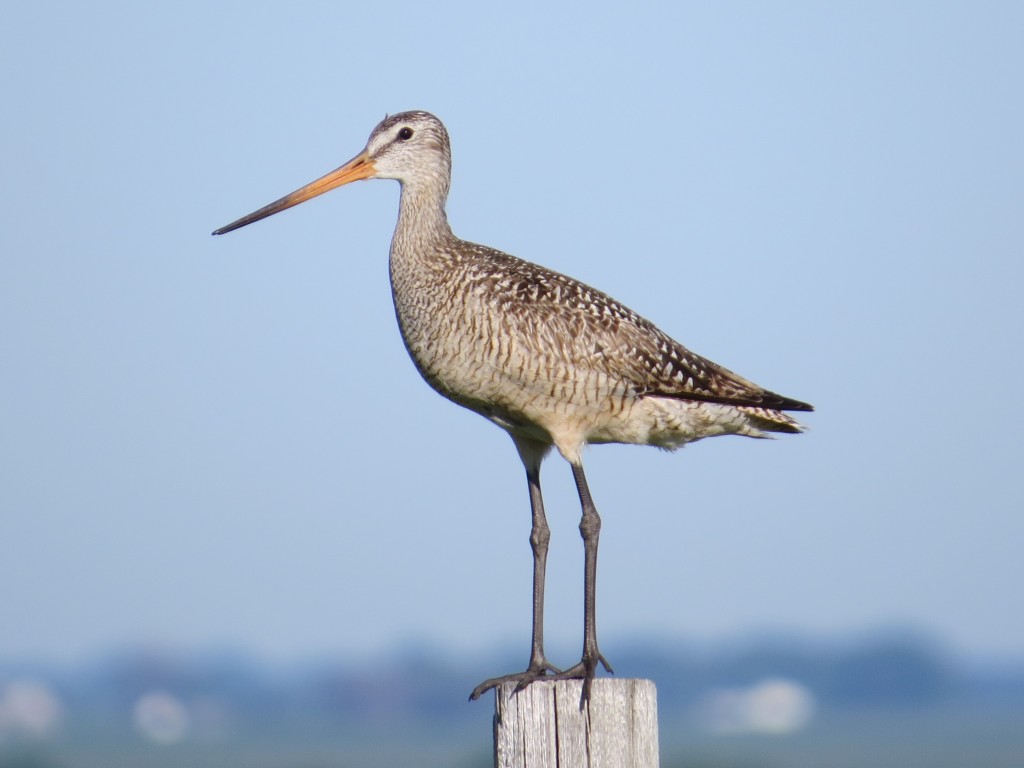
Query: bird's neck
point(422, 222)
point(423, 253)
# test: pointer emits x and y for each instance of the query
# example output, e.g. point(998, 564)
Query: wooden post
point(542, 726)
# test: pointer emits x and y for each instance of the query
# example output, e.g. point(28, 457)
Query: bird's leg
point(590, 529)
point(540, 535)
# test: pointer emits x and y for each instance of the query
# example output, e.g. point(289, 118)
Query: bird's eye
point(405, 134)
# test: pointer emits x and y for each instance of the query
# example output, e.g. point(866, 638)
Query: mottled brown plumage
point(549, 359)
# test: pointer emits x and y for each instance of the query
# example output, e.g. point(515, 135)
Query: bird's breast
point(502, 357)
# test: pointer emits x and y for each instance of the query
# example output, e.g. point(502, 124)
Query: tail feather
point(770, 420)
point(783, 403)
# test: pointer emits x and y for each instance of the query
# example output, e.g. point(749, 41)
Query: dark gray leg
point(590, 529)
point(540, 535)
point(532, 453)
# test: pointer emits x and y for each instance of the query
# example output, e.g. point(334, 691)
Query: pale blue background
point(220, 441)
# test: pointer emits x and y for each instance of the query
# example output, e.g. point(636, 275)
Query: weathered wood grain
point(544, 727)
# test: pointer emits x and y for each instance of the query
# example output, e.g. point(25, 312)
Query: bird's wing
point(587, 330)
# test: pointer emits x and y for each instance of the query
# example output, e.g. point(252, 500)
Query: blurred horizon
point(412, 645)
point(899, 696)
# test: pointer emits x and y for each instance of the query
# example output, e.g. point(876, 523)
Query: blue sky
point(221, 442)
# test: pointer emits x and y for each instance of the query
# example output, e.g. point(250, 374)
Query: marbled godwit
point(545, 357)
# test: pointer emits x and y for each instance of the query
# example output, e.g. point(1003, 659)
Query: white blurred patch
point(774, 706)
point(28, 708)
point(161, 717)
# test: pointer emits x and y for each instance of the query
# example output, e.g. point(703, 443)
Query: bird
point(555, 363)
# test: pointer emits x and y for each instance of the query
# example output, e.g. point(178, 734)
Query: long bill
point(359, 167)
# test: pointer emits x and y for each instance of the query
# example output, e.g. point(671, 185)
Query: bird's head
point(411, 147)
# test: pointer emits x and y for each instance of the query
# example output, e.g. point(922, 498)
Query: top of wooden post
point(542, 726)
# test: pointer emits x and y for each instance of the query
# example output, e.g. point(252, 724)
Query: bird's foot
point(539, 670)
point(585, 671)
